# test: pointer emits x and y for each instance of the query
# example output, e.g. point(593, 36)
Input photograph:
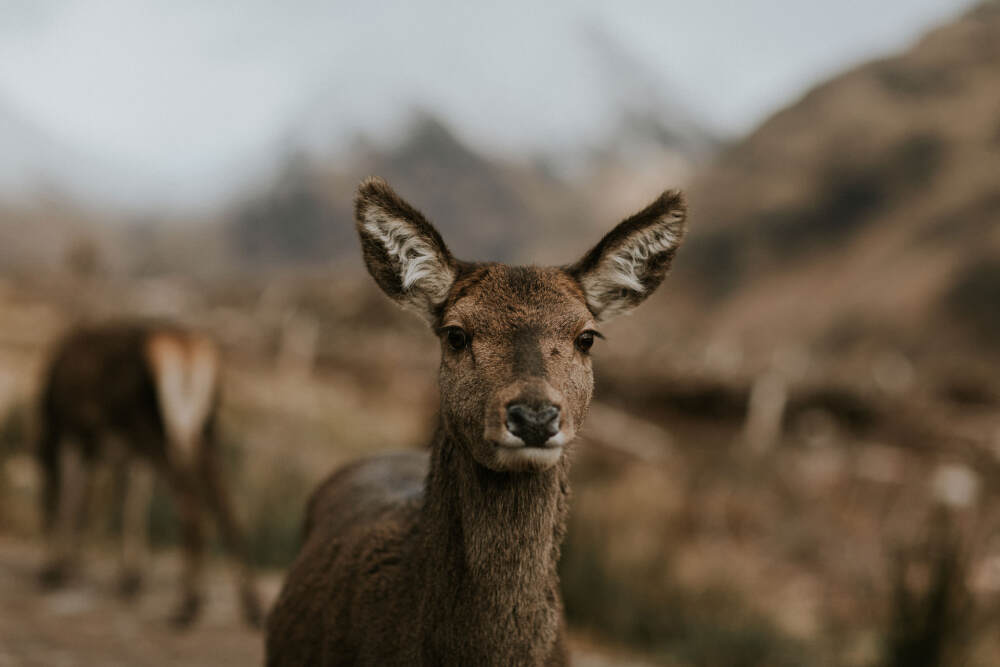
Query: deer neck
point(493, 542)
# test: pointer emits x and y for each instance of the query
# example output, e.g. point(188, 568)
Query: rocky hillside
point(484, 206)
point(869, 208)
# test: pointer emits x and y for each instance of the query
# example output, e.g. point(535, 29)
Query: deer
point(449, 556)
point(143, 397)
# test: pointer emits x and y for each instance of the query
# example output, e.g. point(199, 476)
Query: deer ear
point(404, 253)
point(632, 260)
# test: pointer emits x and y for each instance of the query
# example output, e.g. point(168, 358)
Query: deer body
point(153, 388)
point(449, 557)
point(473, 579)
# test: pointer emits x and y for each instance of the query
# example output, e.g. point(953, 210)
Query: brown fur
point(450, 557)
point(101, 382)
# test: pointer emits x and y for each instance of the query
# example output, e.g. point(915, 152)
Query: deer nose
point(533, 425)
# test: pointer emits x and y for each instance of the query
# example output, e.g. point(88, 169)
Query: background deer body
point(449, 557)
point(153, 390)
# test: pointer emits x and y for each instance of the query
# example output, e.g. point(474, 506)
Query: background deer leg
point(232, 537)
point(49, 457)
point(188, 502)
point(72, 497)
point(139, 479)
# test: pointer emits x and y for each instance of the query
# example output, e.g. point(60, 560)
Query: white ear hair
point(632, 260)
point(403, 252)
point(419, 265)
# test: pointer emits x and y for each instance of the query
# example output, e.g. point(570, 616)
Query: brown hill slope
point(870, 205)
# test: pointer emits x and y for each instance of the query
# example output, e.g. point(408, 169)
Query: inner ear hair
point(630, 262)
point(402, 250)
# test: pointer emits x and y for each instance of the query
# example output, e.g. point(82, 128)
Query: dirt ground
point(86, 624)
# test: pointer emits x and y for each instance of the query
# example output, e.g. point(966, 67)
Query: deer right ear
point(404, 253)
point(632, 260)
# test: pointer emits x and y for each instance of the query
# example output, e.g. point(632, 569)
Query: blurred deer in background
point(154, 390)
point(450, 557)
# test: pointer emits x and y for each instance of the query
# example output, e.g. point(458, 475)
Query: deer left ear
point(632, 260)
point(403, 252)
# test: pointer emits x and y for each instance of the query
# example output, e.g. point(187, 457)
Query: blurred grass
point(269, 499)
point(645, 608)
point(682, 546)
point(278, 510)
point(931, 621)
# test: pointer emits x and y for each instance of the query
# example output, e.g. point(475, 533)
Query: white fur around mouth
point(532, 457)
point(511, 441)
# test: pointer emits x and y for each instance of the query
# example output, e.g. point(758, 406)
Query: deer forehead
point(501, 299)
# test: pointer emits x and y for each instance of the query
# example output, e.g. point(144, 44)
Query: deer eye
point(585, 341)
point(457, 338)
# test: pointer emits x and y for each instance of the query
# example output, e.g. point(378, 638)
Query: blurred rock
point(955, 485)
point(765, 412)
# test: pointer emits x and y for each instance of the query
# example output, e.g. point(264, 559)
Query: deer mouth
point(510, 441)
point(514, 454)
point(522, 457)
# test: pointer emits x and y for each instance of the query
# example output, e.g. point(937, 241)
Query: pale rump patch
point(185, 371)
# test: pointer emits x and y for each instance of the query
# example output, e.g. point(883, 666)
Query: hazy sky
point(192, 88)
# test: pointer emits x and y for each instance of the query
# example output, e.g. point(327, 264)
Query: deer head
point(515, 376)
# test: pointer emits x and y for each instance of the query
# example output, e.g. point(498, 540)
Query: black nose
point(533, 425)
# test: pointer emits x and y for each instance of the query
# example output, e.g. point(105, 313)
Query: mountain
point(868, 210)
point(485, 206)
point(651, 120)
